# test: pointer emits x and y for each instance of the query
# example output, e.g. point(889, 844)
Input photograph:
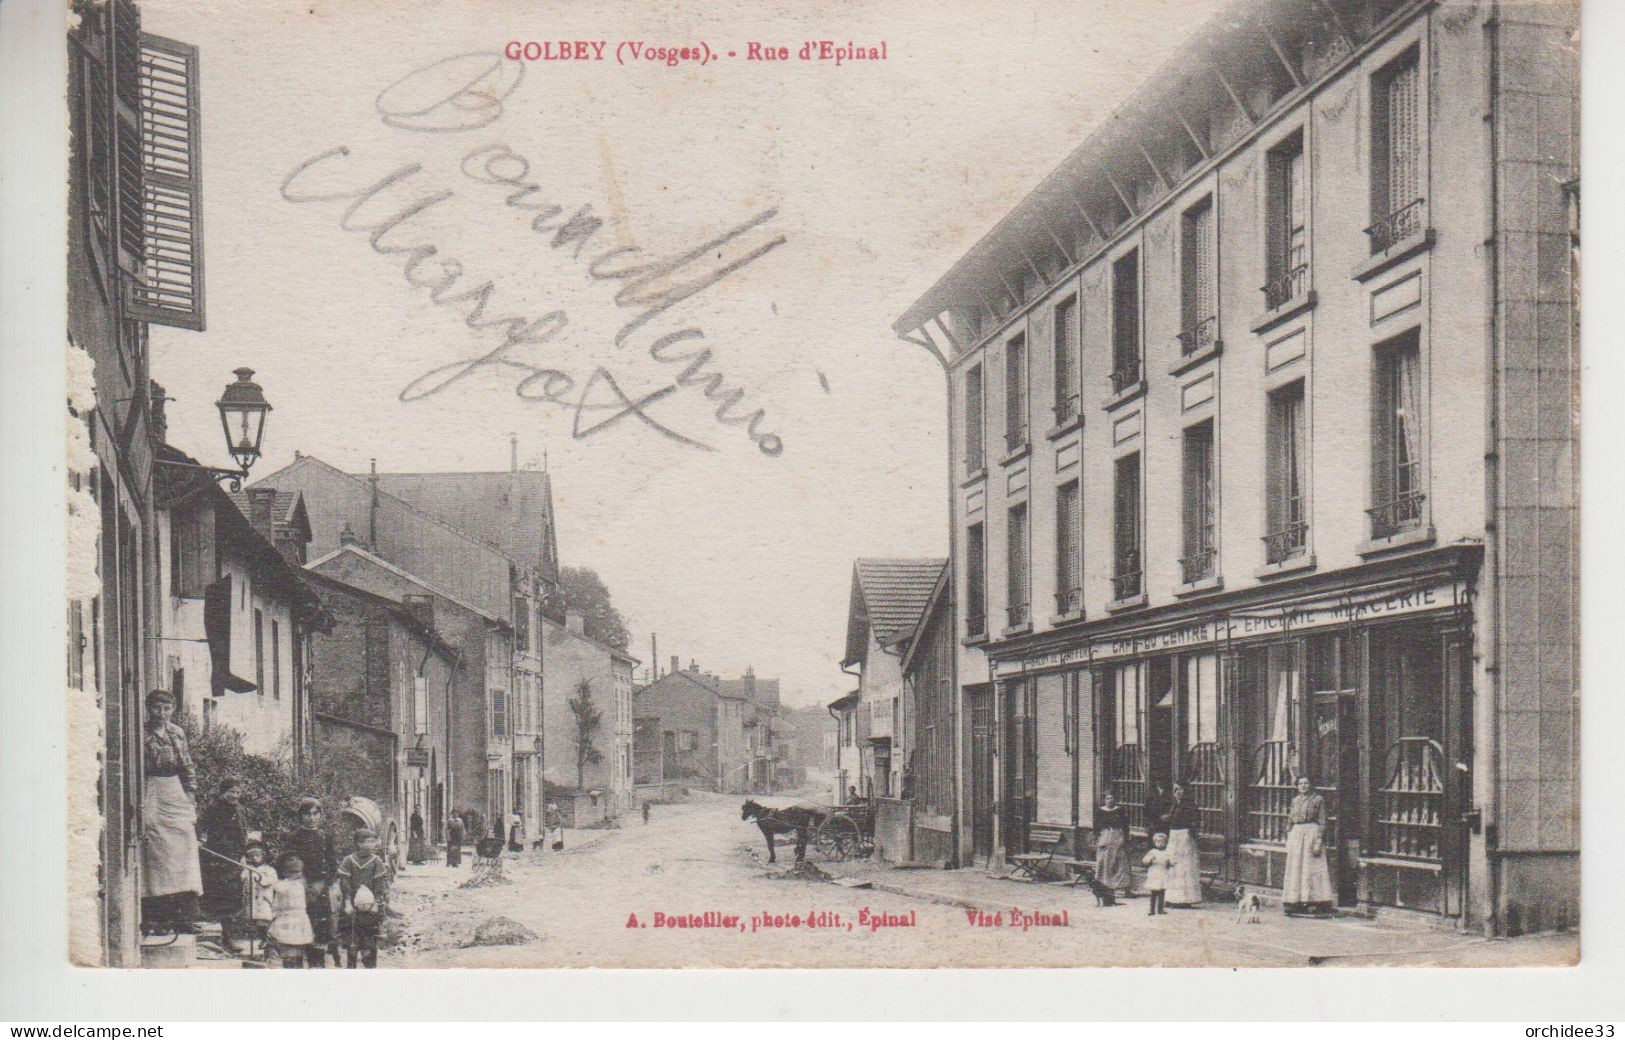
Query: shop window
point(1286, 252)
point(1066, 361)
point(976, 581)
point(1125, 772)
point(1286, 509)
point(1202, 767)
point(1407, 753)
point(1199, 286)
point(1016, 565)
point(1126, 321)
point(975, 425)
point(1268, 697)
point(1015, 394)
point(1396, 438)
point(1200, 515)
point(1068, 549)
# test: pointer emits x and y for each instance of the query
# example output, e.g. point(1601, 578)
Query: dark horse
point(797, 818)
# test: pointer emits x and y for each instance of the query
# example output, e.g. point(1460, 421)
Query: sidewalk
point(1275, 941)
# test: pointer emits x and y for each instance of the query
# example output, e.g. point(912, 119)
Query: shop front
point(1361, 685)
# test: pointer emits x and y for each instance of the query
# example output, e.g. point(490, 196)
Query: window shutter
point(169, 290)
point(125, 24)
point(1403, 170)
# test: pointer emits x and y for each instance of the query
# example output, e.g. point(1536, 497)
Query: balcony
point(1015, 439)
point(1402, 514)
point(1069, 602)
point(1286, 543)
point(1199, 337)
point(1017, 615)
point(1286, 287)
point(975, 626)
point(1125, 375)
point(975, 462)
point(1126, 582)
point(1405, 222)
point(1066, 408)
point(1197, 566)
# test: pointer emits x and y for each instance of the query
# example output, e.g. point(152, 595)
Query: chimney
point(262, 512)
point(347, 536)
point(157, 419)
point(422, 608)
point(676, 664)
point(693, 665)
point(576, 622)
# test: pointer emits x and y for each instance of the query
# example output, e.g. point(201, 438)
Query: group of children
point(295, 905)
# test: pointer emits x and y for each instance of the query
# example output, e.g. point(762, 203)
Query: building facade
point(1262, 428)
point(578, 663)
point(930, 776)
point(701, 727)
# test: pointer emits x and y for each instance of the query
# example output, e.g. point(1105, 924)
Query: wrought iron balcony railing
point(1015, 438)
point(1198, 565)
point(1199, 336)
point(1125, 375)
point(975, 461)
point(1286, 543)
point(1126, 579)
point(975, 625)
point(1396, 226)
point(1401, 514)
point(1286, 287)
point(1017, 614)
point(1069, 601)
point(1066, 408)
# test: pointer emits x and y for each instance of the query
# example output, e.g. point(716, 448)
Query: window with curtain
point(1396, 161)
point(1126, 521)
point(1286, 515)
point(1287, 256)
point(1015, 393)
point(975, 426)
point(1198, 279)
point(1016, 566)
point(1396, 441)
point(1066, 361)
point(976, 580)
point(1201, 707)
point(1200, 515)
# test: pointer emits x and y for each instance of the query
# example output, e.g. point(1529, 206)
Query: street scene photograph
point(822, 486)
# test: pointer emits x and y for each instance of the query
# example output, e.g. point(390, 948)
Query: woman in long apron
point(171, 878)
point(1307, 888)
point(1111, 831)
point(1185, 879)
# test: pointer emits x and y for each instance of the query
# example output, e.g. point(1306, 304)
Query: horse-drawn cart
point(835, 831)
point(848, 832)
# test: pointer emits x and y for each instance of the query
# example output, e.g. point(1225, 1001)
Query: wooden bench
point(1032, 866)
point(1074, 869)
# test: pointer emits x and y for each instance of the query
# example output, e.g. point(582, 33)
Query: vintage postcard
point(823, 484)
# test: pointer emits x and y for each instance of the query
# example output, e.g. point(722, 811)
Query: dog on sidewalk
point(1249, 908)
point(1104, 896)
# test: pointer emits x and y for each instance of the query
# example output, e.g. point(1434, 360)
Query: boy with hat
point(364, 879)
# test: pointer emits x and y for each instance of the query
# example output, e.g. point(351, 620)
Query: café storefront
point(1359, 680)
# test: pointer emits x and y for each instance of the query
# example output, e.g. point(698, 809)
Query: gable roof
point(511, 510)
point(888, 598)
point(933, 606)
point(396, 609)
point(383, 564)
point(288, 507)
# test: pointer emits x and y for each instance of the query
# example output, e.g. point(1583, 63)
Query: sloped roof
point(512, 510)
point(888, 598)
point(767, 690)
point(284, 508)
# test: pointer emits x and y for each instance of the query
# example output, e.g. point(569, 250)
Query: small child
point(364, 879)
point(1158, 863)
point(259, 877)
point(290, 924)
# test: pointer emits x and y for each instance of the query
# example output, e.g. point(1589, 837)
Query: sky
point(832, 197)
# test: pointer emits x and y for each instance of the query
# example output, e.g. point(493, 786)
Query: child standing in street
point(259, 877)
point(290, 925)
point(315, 850)
point(364, 879)
point(1159, 862)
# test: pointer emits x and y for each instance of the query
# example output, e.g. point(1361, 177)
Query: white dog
point(1248, 907)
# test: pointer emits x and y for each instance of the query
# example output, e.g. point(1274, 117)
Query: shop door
point(1020, 802)
point(981, 770)
point(1334, 762)
point(1160, 745)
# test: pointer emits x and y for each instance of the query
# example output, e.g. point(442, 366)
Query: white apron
point(1185, 877)
point(1308, 877)
point(169, 855)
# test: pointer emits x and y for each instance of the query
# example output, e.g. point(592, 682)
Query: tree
point(581, 590)
point(588, 718)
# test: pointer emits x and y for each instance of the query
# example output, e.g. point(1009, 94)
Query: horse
point(797, 818)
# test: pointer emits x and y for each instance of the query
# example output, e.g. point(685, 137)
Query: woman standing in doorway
point(1185, 879)
point(1111, 830)
point(1307, 888)
point(171, 878)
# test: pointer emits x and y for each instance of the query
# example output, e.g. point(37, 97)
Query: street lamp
point(242, 416)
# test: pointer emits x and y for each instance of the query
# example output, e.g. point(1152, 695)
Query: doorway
point(979, 701)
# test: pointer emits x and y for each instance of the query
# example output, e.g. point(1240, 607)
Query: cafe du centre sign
point(1219, 628)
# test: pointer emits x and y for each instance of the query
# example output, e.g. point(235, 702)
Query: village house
point(235, 616)
point(702, 728)
point(763, 727)
point(1264, 463)
point(134, 258)
point(930, 773)
point(577, 663)
point(887, 599)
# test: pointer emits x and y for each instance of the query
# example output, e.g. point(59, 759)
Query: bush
point(270, 791)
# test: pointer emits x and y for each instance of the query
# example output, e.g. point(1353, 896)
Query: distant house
point(763, 729)
point(234, 614)
point(573, 658)
point(846, 755)
point(701, 727)
point(888, 598)
point(381, 685)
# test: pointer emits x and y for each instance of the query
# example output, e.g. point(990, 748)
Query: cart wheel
point(838, 838)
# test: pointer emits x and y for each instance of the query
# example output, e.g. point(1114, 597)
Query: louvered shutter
point(1206, 288)
point(125, 27)
point(169, 290)
point(1403, 151)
